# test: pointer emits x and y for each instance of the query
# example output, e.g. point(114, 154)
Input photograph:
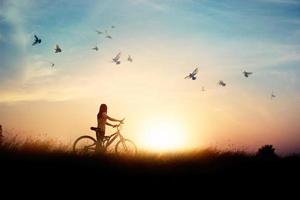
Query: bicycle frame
point(108, 140)
point(81, 144)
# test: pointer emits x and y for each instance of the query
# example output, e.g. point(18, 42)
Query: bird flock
point(106, 33)
point(117, 59)
point(220, 82)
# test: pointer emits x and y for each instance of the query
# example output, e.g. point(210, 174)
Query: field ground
point(42, 164)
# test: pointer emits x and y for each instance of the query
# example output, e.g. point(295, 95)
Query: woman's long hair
point(103, 108)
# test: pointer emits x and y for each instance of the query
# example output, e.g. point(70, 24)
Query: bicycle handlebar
point(120, 124)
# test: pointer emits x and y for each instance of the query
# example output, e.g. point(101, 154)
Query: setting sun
point(162, 136)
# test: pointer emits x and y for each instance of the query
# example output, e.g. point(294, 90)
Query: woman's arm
point(112, 119)
point(110, 124)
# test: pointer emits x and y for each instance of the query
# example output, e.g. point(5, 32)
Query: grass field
point(47, 161)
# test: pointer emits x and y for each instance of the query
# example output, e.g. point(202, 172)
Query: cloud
point(14, 13)
point(13, 25)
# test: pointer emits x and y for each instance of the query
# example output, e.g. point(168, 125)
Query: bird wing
point(187, 77)
point(249, 73)
point(195, 72)
point(35, 37)
point(118, 56)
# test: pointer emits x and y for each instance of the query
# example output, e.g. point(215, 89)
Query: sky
point(167, 40)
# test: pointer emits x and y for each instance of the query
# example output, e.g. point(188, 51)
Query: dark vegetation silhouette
point(267, 152)
point(1, 134)
point(46, 168)
point(51, 161)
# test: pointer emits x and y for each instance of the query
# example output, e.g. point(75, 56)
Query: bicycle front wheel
point(84, 145)
point(126, 147)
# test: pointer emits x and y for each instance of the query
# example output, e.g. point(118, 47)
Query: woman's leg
point(99, 145)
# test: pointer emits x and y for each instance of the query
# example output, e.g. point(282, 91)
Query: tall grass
point(33, 145)
point(36, 145)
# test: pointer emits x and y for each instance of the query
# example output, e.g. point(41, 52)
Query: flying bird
point(99, 32)
point(52, 64)
point(222, 83)
point(117, 59)
point(273, 95)
point(57, 49)
point(246, 74)
point(113, 27)
point(107, 35)
point(36, 40)
point(129, 58)
point(96, 48)
point(192, 75)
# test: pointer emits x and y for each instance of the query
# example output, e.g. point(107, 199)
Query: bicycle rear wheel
point(126, 147)
point(84, 145)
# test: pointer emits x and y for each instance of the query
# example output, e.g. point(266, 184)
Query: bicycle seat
point(94, 128)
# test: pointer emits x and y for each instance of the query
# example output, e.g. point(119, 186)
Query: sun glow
point(163, 136)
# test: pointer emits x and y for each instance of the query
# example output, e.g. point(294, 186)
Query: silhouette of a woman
point(102, 118)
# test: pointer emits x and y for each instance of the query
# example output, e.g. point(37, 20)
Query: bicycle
point(87, 144)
